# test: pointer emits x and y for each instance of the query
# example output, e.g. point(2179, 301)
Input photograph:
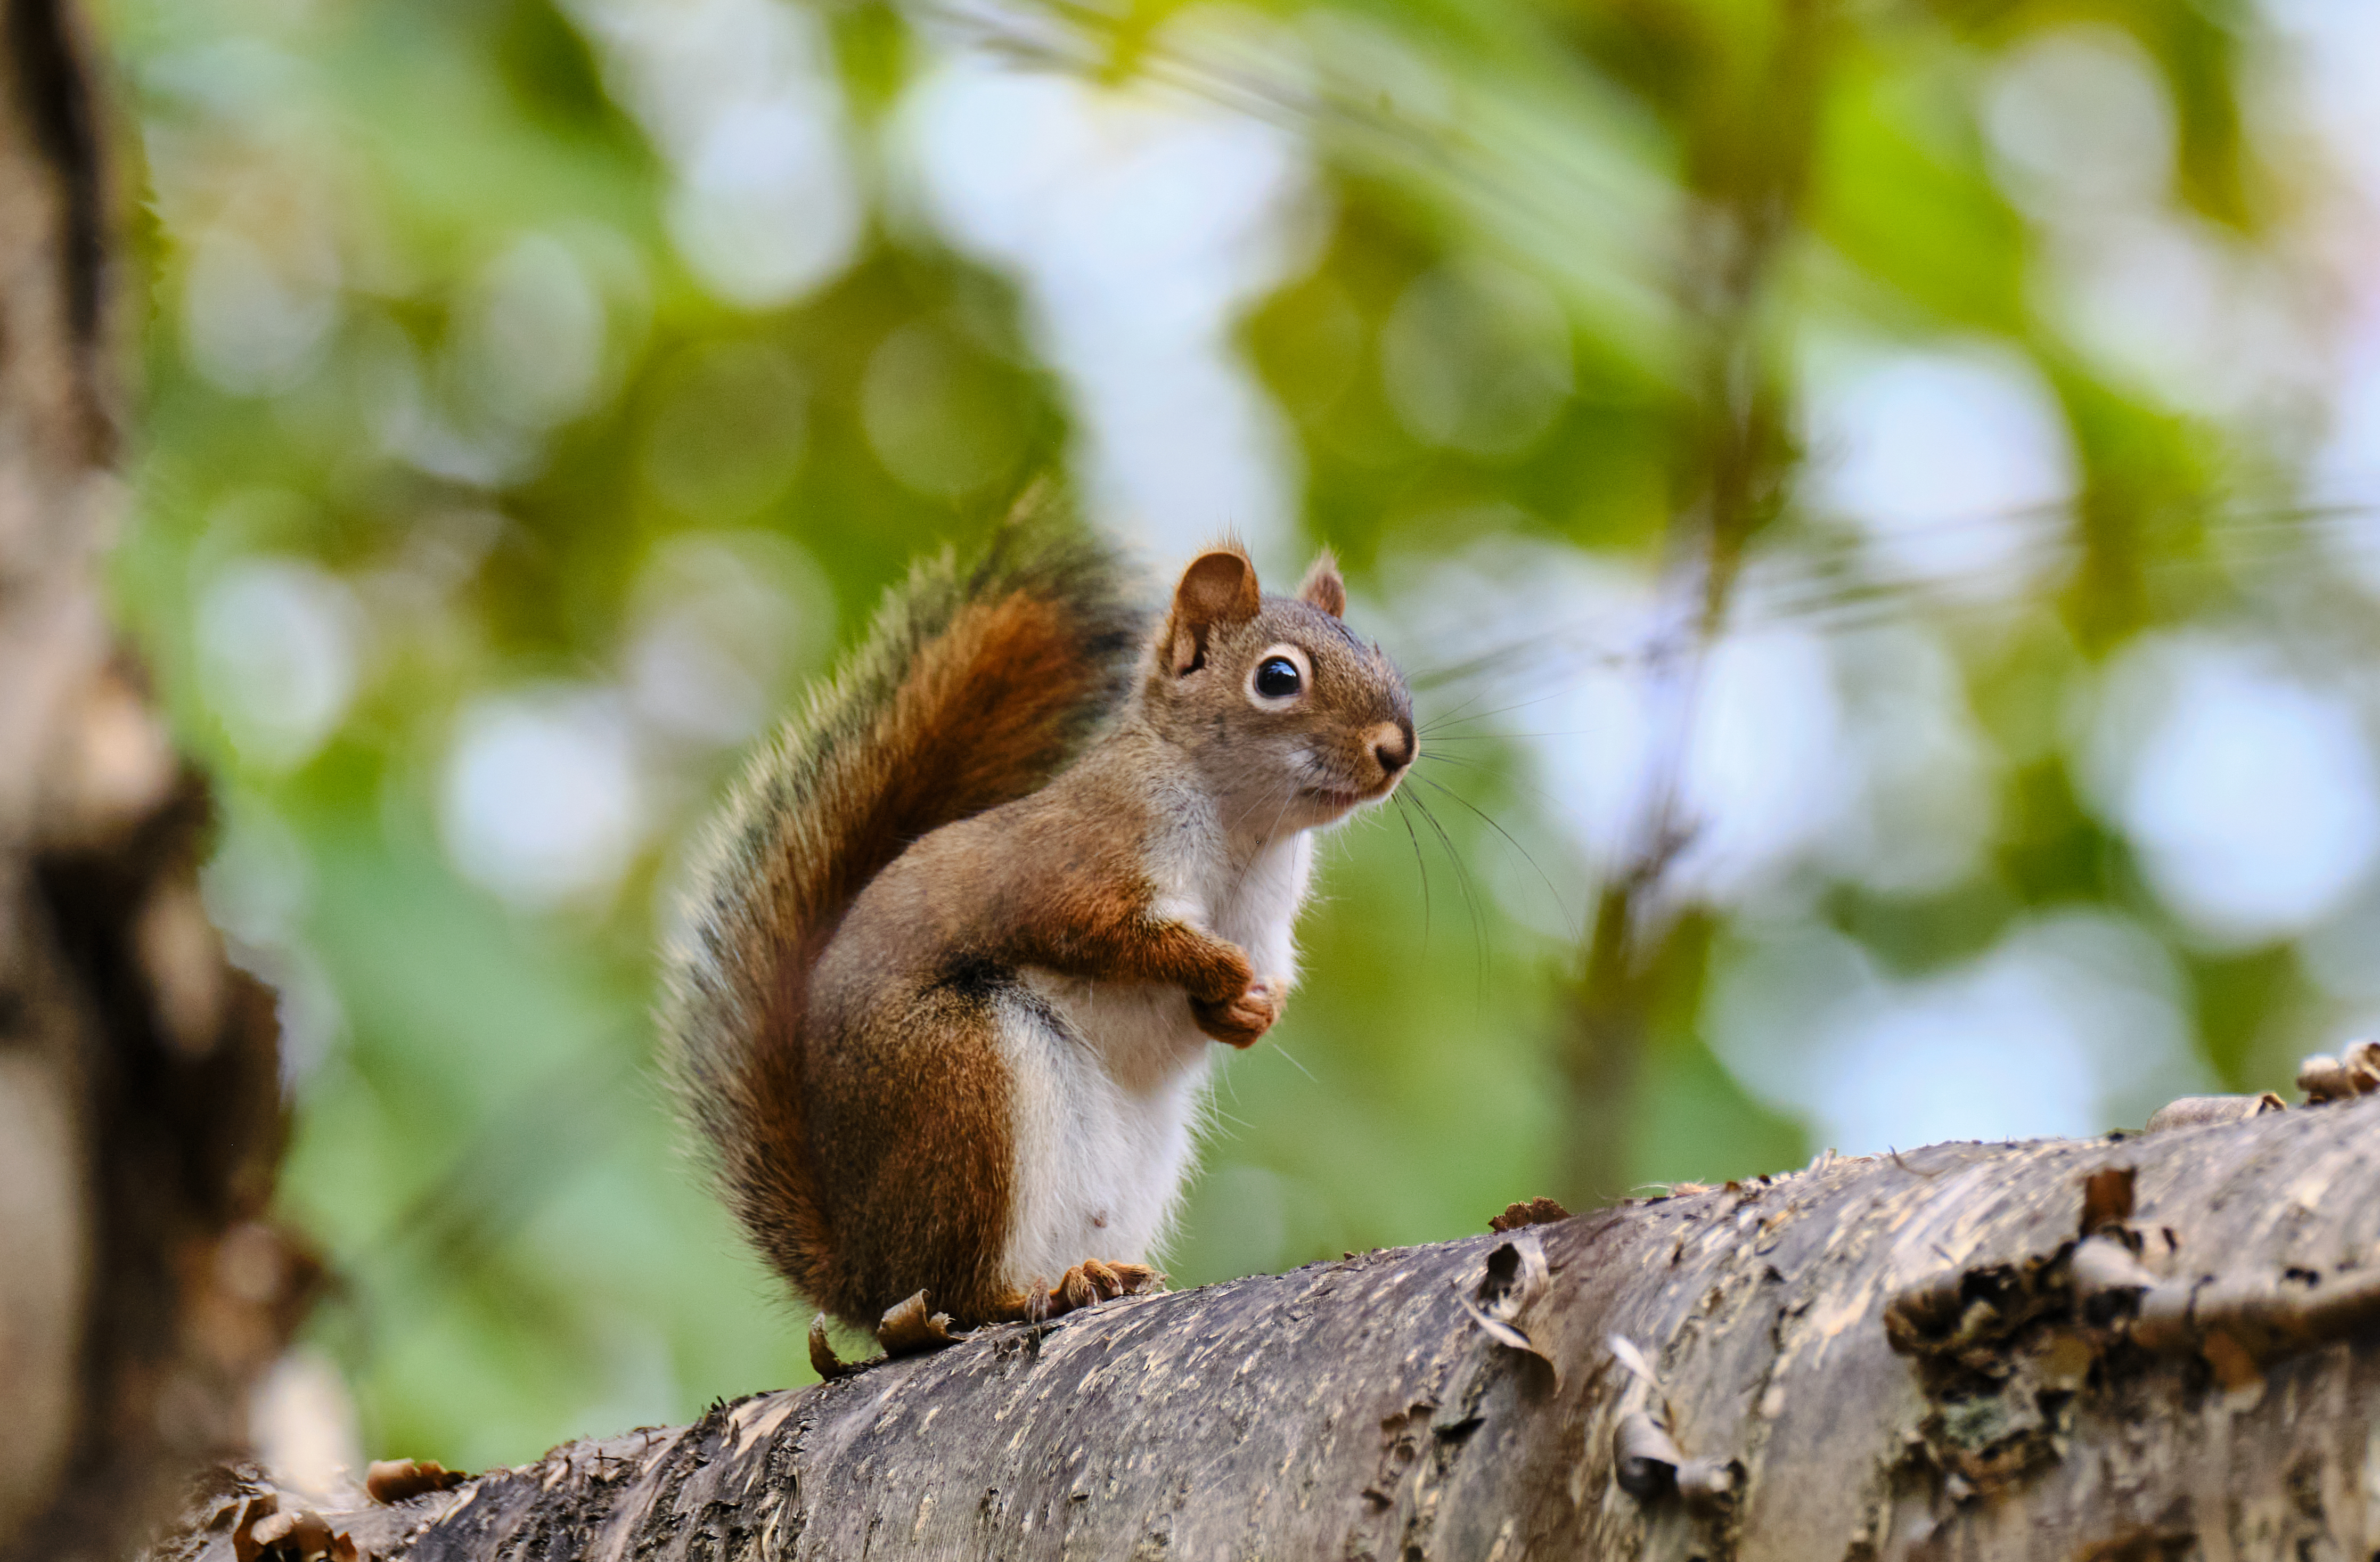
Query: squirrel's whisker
point(1470, 901)
point(1444, 717)
point(1288, 1057)
point(1483, 768)
point(1406, 819)
point(1508, 737)
point(1481, 716)
point(1488, 820)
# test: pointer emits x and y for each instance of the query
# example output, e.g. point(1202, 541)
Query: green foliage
point(446, 436)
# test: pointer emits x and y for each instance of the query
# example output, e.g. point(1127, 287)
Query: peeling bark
point(139, 1105)
point(1895, 1357)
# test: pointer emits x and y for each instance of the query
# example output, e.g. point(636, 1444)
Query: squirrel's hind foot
point(1087, 1284)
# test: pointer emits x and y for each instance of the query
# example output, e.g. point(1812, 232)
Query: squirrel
point(958, 943)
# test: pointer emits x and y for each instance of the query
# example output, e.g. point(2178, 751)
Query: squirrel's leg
point(912, 1130)
point(1229, 1001)
point(1097, 1164)
point(1104, 939)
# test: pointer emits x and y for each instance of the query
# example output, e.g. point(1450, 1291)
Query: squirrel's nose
point(1393, 746)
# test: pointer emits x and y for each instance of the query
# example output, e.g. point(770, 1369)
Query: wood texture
point(1877, 1358)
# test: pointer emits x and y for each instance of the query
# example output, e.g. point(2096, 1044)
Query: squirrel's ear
point(1218, 588)
point(1322, 587)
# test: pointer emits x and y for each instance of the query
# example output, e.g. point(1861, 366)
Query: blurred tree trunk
point(140, 1110)
point(1748, 159)
point(1918, 1355)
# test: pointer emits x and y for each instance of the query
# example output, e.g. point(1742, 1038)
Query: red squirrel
point(960, 938)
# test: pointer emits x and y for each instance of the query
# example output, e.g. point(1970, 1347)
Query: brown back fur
point(969, 691)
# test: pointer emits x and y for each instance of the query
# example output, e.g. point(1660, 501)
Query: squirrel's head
point(1289, 717)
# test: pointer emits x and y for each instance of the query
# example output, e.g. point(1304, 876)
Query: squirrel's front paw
point(1242, 1020)
point(1090, 1282)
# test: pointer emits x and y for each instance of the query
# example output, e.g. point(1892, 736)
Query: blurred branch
point(1563, 172)
point(1734, 467)
point(526, 1151)
point(1822, 581)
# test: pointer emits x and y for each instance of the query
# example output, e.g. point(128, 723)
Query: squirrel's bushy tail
point(973, 687)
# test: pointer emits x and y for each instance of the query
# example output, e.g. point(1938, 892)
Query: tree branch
point(1896, 1356)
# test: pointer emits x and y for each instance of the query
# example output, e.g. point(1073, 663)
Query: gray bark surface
point(1909, 1356)
point(139, 1105)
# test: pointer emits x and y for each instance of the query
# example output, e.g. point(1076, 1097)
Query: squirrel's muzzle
point(1392, 745)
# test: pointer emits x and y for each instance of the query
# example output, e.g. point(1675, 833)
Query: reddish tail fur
point(969, 690)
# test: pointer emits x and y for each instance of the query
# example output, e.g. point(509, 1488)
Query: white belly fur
point(1106, 1120)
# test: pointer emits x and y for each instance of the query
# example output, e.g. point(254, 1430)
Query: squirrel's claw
point(1090, 1283)
point(823, 1361)
point(908, 1328)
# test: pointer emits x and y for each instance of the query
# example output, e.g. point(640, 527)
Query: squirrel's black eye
point(1277, 678)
